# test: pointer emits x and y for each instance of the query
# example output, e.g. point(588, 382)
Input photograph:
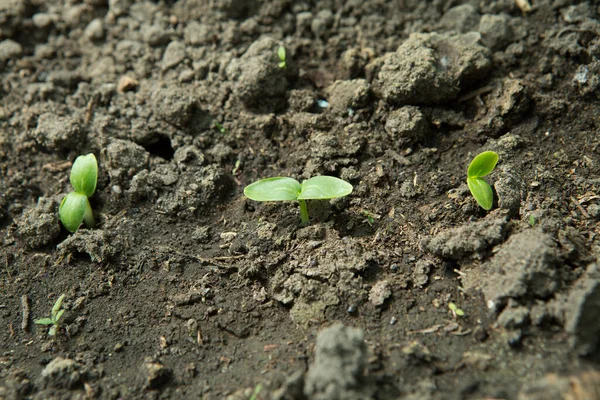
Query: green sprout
point(531, 220)
point(282, 57)
point(55, 315)
point(220, 127)
point(455, 310)
point(482, 165)
point(288, 189)
point(370, 217)
point(75, 207)
point(256, 392)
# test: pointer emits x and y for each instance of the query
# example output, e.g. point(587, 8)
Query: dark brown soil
point(186, 289)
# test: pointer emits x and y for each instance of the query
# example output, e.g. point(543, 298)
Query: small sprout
point(482, 165)
point(288, 189)
point(236, 167)
point(220, 127)
point(370, 217)
point(531, 220)
point(456, 312)
point(75, 207)
point(55, 315)
point(257, 390)
point(282, 57)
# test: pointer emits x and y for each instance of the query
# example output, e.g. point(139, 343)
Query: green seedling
point(256, 392)
point(75, 208)
point(370, 217)
point(456, 312)
point(288, 189)
point(55, 315)
point(531, 220)
point(220, 127)
point(282, 57)
point(482, 165)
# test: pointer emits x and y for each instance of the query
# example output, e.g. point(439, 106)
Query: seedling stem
point(303, 212)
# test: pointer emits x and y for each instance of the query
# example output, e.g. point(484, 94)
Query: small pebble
point(393, 321)
point(323, 103)
point(351, 309)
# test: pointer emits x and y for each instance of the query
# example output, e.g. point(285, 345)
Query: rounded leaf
point(273, 189)
point(43, 321)
point(71, 210)
point(281, 53)
point(84, 174)
point(324, 187)
point(482, 164)
point(482, 192)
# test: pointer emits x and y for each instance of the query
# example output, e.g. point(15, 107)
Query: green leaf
point(273, 189)
point(58, 315)
point(482, 192)
point(72, 209)
point(281, 54)
point(44, 321)
point(58, 305)
point(482, 164)
point(324, 187)
point(84, 174)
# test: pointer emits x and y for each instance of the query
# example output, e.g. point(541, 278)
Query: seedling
point(75, 207)
point(288, 189)
point(55, 315)
point(282, 57)
point(370, 217)
point(482, 165)
point(456, 312)
point(220, 127)
point(256, 392)
point(531, 220)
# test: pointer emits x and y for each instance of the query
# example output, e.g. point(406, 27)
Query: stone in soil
point(39, 225)
point(525, 266)
point(582, 311)
point(124, 159)
point(475, 237)
point(259, 83)
point(156, 374)
point(58, 133)
point(406, 125)
point(348, 95)
point(337, 372)
point(97, 243)
point(62, 373)
point(430, 68)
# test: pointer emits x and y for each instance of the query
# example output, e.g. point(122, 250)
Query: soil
point(186, 289)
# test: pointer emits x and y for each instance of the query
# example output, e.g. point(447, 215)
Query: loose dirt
point(187, 289)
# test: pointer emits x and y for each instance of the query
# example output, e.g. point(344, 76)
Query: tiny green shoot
point(282, 57)
point(55, 315)
point(482, 165)
point(531, 220)
point(288, 189)
point(370, 217)
point(455, 310)
point(257, 390)
point(75, 207)
point(220, 127)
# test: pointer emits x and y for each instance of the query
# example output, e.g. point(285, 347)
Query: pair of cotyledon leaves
point(288, 189)
point(482, 165)
point(75, 208)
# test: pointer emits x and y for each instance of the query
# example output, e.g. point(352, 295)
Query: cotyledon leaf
point(273, 189)
point(324, 187)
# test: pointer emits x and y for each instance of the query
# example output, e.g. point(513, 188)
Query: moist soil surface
point(405, 289)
